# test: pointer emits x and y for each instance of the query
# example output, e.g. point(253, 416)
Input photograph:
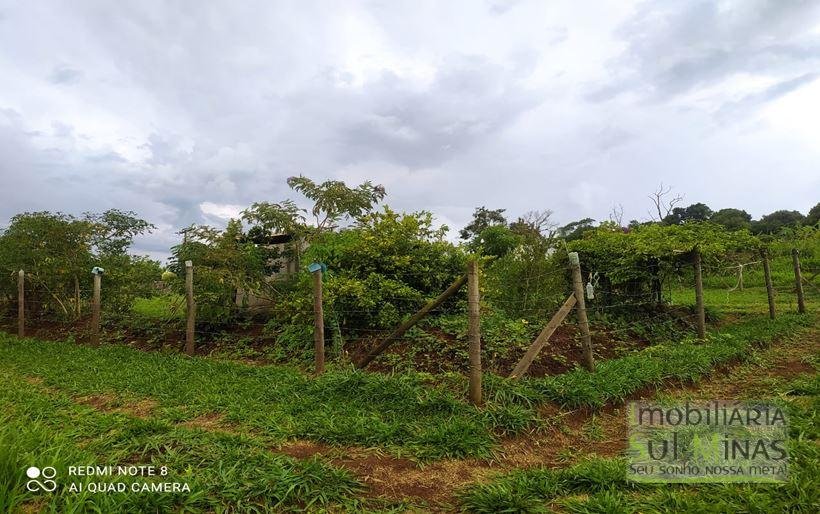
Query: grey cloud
point(674, 47)
point(65, 75)
point(466, 104)
point(739, 108)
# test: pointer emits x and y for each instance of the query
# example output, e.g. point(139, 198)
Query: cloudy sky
point(188, 111)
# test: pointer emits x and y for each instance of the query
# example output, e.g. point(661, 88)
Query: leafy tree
point(333, 201)
point(482, 219)
point(640, 260)
point(53, 249)
point(695, 212)
point(497, 241)
point(814, 215)
point(732, 219)
point(114, 230)
point(576, 229)
point(226, 260)
point(383, 267)
point(774, 222)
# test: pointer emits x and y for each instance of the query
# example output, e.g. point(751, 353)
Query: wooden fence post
point(77, 296)
point(415, 318)
point(95, 313)
point(474, 331)
point(701, 310)
point(767, 276)
point(190, 327)
point(21, 303)
point(581, 310)
point(798, 281)
point(536, 346)
point(318, 322)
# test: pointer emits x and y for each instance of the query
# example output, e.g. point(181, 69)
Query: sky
point(187, 112)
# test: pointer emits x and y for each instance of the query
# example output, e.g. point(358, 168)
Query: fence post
point(76, 296)
point(767, 275)
point(21, 303)
point(696, 264)
point(581, 310)
point(318, 322)
point(474, 331)
point(95, 312)
point(798, 280)
point(415, 318)
point(190, 345)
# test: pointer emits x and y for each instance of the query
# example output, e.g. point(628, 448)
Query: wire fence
point(79, 314)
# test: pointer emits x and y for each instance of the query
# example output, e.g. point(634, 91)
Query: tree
point(695, 212)
point(482, 219)
point(814, 215)
point(732, 219)
point(334, 201)
point(114, 230)
point(772, 223)
point(52, 248)
point(497, 240)
point(535, 224)
point(576, 229)
point(662, 202)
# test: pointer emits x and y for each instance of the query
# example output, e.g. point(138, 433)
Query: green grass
point(402, 413)
point(166, 307)
point(616, 379)
point(45, 428)
point(598, 485)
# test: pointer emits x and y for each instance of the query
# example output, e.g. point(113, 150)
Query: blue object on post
point(316, 266)
point(97, 270)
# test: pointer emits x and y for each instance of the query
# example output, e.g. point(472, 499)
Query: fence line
point(576, 300)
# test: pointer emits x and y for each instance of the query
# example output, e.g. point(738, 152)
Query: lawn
point(217, 426)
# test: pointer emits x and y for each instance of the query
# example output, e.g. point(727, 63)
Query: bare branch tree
point(617, 214)
point(663, 205)
point(539, 222)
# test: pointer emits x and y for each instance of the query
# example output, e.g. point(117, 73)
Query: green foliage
point(695, 212)
point(813, 217)
point(636, 257)
point(483, 218)
point(114, 230)
point(57, 249)
point(529, 282)
point(333, 200)
point(576, 229)
point(774, 222)
point(385, 266)
point(224, 261)
point(732, 219)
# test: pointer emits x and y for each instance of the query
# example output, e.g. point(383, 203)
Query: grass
point(614, 380)
point(46, 428)
point(165, 307)
point(599, 485)
point(402, 413)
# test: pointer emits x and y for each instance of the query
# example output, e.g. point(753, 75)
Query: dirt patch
point(212, 422)
point(109, 403)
